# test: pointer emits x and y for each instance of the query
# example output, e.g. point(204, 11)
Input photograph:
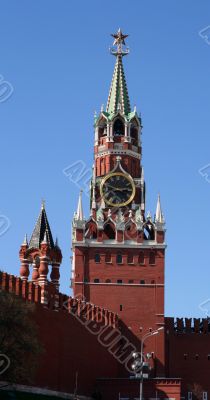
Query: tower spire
point(80, 215)
point(159, 215)
point(118, 98)
point(25, 240)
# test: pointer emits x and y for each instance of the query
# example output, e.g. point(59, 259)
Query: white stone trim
point(114, 151)
point(114, 244)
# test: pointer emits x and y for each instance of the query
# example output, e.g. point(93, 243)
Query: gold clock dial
point(117, 189)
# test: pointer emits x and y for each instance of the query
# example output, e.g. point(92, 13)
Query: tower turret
point(41, 252)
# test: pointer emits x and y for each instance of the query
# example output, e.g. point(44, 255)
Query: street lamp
point(139, 363)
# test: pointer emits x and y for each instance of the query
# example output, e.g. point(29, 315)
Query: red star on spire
point(119, 38)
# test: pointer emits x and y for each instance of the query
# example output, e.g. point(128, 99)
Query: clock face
point(117, 189)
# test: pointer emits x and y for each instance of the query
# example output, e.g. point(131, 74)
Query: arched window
point(97, 258)
point(142, 282)
point(108, 258)
point(118, 128)
point(130, 232)
point(91, 230)
point(102, 128)
point(119, 259)
point(108, 280)
point(141, 258)
point(152, 258)
point(149, 233)
point(109, 232)
point(134, 132)
point(96, 280)
point(130, 259)
point(119, 281)
point(146, 234)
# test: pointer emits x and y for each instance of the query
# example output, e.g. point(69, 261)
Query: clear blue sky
point(55, 55)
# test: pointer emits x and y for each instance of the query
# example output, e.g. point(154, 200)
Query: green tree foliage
point(18, 338)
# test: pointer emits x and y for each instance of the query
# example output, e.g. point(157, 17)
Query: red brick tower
point(118, 252)
point(41, 252)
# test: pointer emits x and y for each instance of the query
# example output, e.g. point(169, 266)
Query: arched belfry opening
point(118, 127)
point(102, 130)
point(149, 233)
point(91, 230)
point(109, 231)
point(134, 132)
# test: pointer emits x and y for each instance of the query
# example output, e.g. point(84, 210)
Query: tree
point(18, 338)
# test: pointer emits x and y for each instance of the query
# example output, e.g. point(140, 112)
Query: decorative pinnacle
point(159, 215)
point(119, 42)
point(25, 240)
point(142, 175)
point(80, 215)
point(43, 204)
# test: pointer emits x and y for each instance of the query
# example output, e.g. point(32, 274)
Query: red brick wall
point(140, 307)
point(188, 344)
point(70, 348)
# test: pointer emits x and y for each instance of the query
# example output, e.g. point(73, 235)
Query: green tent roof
point(118, 95)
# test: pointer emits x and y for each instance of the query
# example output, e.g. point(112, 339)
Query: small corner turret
point(40, 252)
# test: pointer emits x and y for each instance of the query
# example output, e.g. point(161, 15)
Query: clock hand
point(119, 189)
point(112, 187)
point(122, 190)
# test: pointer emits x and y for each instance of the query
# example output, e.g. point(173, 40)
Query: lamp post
point(141, 364)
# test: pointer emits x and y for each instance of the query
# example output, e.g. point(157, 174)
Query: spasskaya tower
point(119, 251)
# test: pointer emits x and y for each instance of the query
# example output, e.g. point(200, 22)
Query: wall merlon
point(187, 325)
point(47, 295)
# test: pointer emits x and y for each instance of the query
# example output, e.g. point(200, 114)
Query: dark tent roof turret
point(42, 230)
